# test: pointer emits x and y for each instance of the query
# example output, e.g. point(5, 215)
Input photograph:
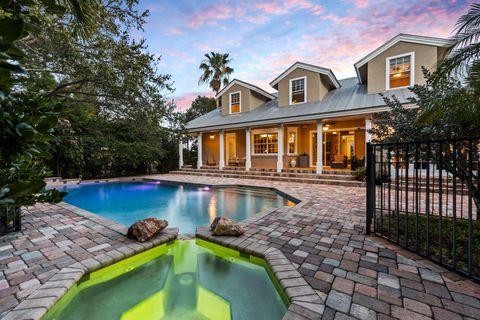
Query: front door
point(231, 146)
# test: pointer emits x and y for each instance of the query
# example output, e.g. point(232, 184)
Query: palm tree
point(215, 70)
point(463, 56)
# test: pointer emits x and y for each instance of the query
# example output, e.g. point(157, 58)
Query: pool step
point(331, 179)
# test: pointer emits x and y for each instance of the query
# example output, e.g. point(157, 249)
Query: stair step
point(315, 179)
point(276, 174)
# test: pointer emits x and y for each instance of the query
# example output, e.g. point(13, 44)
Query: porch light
point(334, 132)
point(325, 128)
point(212, 136)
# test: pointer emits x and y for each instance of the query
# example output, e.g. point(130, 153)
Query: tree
point(27, 120)
point(200, 106)
point(462, 58)
point(215, 70)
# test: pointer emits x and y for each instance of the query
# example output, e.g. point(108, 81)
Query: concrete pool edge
point(303, 299)
point(36, 305)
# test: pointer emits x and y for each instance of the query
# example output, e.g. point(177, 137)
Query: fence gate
point(425, 197)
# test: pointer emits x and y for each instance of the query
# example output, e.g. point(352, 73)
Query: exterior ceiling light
point(212, 136)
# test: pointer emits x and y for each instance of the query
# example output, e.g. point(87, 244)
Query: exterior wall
point(360, 144)
point(425, 55)
point(211, 147)
point(248, 101)
point(316, 88)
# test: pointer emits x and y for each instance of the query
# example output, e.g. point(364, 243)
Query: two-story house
point(314, 118)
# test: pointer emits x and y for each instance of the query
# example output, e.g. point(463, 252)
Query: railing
point(425, 196)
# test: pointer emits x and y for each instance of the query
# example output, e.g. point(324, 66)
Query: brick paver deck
point(350, 275)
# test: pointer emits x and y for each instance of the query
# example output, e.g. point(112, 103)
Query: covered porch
point(287, 147)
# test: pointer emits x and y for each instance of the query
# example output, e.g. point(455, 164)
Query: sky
point(265, 37)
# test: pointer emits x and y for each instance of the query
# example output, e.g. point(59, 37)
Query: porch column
point(319, 146)
point(248, 150)
point(280, 149)
point(180, 154)
point(200, 150)
point(221, 162)
point(368, 126)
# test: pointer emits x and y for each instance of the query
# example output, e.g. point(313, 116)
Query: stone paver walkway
point(354, 276)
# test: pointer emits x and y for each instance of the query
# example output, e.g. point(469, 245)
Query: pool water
point(183, 206)
point(189, 279)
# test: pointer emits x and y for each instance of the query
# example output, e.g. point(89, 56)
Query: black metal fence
point(425, 196)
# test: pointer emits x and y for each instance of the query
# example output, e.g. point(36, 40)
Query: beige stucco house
point(313, 118)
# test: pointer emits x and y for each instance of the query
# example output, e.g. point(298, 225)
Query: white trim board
point(245, 85)
point(308, 67)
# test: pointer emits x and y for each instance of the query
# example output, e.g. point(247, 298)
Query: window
point(265, 143)
point(400, 71)
point(292, 137)
point(297, 90)
point(235, 102)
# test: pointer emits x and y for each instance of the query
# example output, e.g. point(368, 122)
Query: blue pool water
point(185, 207)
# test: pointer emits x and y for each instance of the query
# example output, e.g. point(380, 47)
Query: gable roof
point(246, 85)
point(411, 38)
point(350, 99)
point(310, 67)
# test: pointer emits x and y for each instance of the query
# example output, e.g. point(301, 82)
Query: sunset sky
point(266, 37)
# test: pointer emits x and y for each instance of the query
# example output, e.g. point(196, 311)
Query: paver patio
point(353, 276)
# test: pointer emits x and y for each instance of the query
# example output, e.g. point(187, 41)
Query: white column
point(280, 149)
point(319, 146)
point(221, 162)
point(200, 151)
point(368, 126)
point(180, 154)
point(248, 150)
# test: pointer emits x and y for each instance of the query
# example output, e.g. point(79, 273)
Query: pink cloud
point(184, 101)
point(273, 7)
point(209, 15)
point(361, 3)
point(280, 8)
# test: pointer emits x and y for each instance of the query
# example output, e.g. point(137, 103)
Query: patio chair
point(339, 162)
point(211, 161)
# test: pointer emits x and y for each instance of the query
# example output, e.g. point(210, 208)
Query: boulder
point(142, 230)
point(222, 226)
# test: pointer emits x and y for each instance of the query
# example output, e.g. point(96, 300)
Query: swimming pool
point(183, 206)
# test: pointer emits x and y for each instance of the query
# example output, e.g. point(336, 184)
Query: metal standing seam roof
point(350, 98)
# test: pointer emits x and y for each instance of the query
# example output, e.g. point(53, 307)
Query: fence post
point(370, 186)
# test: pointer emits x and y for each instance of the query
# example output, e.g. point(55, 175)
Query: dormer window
point(235, 102)
point(298, 92)
point(400, 71)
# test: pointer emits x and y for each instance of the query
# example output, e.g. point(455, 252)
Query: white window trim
point(261, 131)
point(292, 129)
point(412, 70)
point(290, 90)
point(230, 101)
